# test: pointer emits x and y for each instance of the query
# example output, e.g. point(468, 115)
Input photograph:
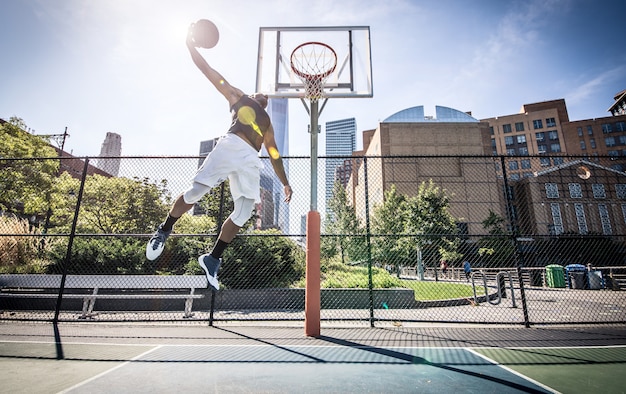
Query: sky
point(98, 66)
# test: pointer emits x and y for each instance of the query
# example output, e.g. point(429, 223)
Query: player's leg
point(182, 204)
point(210, 262)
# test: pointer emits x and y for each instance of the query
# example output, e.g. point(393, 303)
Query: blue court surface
point(162, 358)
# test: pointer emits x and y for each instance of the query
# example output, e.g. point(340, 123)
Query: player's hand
point(288, 193)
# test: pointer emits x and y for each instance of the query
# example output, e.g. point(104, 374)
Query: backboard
point(352, 77)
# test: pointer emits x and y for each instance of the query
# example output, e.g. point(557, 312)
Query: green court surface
point(161, 358)
point(567, 370)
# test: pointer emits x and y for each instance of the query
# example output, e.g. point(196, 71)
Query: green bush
point(23, 251)
point(103, 255)
point(260, 260)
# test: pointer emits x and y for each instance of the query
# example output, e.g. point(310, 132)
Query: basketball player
point(236, 157)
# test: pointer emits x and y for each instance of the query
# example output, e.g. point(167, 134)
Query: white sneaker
point(156, 244)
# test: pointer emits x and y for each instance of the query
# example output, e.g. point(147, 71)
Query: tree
point(109, 205)
point(25, 183)
point(497, 249)
point(388, 221)
point(343, 222)
point(429, 219)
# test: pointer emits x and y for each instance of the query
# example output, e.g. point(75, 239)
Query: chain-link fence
point(474, 239)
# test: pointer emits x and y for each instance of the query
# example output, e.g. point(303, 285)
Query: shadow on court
point(104, 358)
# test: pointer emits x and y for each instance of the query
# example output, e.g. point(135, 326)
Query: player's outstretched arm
point(231, 93)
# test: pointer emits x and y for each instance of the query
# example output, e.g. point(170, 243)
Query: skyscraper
point(340, 141)
point(111, 147)
point(278, 110)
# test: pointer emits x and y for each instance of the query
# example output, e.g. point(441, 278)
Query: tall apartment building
point(111, 147)
point(340, 141)
point(544, 129)
point(275, 212)
point(535, 130)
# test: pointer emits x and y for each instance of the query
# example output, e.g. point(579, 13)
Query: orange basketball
point(205, 34)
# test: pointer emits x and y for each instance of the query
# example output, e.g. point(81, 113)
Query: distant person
point(468, 270)
point(236, 158)
point(444, 267)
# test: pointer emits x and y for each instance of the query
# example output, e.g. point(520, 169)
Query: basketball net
point(313, 62)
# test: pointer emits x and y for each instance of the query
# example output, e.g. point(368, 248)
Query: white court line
point(495, 363)
point(108, 371)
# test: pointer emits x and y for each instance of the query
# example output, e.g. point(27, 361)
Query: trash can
point(555, 276)
point(577, 276)
point(595, 280)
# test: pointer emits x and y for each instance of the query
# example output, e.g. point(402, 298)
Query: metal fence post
point(519, 258)
point(370, 282)
point(68, 254)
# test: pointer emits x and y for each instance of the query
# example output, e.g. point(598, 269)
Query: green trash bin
point(555, 275)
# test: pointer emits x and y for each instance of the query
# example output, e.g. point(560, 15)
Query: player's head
point(260, 98)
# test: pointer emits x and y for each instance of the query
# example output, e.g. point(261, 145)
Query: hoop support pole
point(312, 297)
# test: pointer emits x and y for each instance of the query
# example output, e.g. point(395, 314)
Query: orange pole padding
point(312, 299)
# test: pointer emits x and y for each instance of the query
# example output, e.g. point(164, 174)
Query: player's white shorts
point(235, 159)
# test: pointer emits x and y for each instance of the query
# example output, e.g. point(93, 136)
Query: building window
point(557, 220)
point(575, 191)
point(624, 212)
point(519, 126)
point(580, 131)
point(506, 128)
point(580, 218)
point(542, 148)
point(513, 165)
point(607, 128)
point(620, 190)
point(514, 177)
point(508, 141)
point(523, 151)
point(613, 153)
point(544, 161)
point(609, 141)
point(556, 147)
point(592, 142)
point(553, 135)
point(598, 190)
point(621, 140)
point(537, 124)
point(521, 139)
point(604, 219)
point(557, 161)
point(552, 190)
point(525, 163)
point(582, 145)
point(620, 126)
point(527, 174)
point(550, 122)
point(540, 137)
point(511, 152)
point(491, 130)
point(589, 130)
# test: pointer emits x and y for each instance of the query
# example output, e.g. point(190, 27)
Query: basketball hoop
point(313, 62)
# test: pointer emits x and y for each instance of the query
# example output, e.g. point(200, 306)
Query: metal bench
point(40, 286)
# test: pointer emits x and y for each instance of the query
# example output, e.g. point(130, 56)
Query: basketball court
point(121, 358)
point(313, 64)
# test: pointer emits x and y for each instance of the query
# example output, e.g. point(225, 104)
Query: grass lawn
point(337, 275)
point(428, 291)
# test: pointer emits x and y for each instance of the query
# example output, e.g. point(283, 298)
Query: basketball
point(205, 34)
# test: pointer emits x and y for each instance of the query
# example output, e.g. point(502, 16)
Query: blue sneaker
point(156, 244)
point(210, 265)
